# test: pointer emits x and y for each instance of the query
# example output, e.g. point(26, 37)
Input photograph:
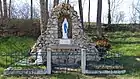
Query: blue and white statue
point(65, 29)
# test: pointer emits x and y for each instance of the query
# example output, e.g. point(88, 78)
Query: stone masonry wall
point(50, 36)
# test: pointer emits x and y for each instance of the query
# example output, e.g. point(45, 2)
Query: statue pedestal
point(64, 41)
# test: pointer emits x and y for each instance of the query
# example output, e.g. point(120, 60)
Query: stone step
point(25, 72)
point(105, 72)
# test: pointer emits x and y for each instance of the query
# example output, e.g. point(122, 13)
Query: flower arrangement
point(102, 46)
point(104, 43)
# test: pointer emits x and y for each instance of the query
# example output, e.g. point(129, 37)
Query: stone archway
point(53, 33)
point(60, 20)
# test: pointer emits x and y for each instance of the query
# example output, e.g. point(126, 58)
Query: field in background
point(126, 43)
point(21, 27)
point(27, 27)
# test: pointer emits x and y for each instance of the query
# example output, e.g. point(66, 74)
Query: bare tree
point(135, 18)
point(89, 13)
point(10, 2)
point(68, 1)
point(81, 12)
point(47, 12)
point(5, 17)
point(5, 8)
point(22, 11)
point(55, 2)
point(43, 19)
point(120, 17)
point(31, 9)
point(36, 13)
point(109, 13)
point(13, 11)
point(114, 6)
point(1, 12)
point(98, 23)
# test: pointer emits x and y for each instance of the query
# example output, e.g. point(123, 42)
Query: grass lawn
point(126, 43)
point(10, 45)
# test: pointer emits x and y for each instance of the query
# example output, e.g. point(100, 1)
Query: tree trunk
point(47, 13)
point(5, 17)
point(81, 12)
point(89, 14)
point(31, 9)
point(10, 2)
point(109, 13)
point(5, 8)
point(1, 12)
point(44, 18)
point(55, 2)
point(98, 23)
point(68, 1)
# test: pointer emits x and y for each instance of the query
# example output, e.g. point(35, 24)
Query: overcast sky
point(124, 6)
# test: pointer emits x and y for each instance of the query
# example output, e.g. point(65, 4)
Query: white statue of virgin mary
point(65, 29)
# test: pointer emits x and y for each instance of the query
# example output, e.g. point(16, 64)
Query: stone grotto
point(53, 36)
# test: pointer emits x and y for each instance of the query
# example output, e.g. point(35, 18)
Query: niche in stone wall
point(60, 21)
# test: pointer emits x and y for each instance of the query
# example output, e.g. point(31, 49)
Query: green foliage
point(15, 44)
point(10, 45)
